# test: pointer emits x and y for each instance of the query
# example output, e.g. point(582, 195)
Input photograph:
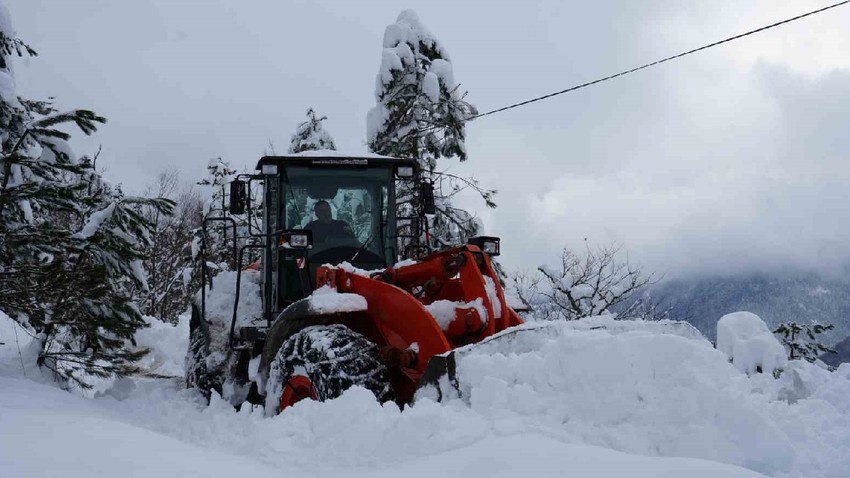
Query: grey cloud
point(714, 162)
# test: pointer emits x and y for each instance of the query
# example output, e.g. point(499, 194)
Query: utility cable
point(658, 62)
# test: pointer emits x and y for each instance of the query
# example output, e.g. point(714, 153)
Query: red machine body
point(398, 319)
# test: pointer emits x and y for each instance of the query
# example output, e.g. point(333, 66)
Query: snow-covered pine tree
point(108, 251)
point(69, 245)
point(310, 136)
point(802, 341)
point(420, 113)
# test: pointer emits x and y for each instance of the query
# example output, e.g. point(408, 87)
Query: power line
point(622, 73)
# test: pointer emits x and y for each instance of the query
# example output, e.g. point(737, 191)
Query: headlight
point(487, 244)
point(404, 171)
point(299, 240)
point(296, 239)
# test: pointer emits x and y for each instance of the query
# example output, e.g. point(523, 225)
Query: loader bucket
point(441, 382)
point(446, 376)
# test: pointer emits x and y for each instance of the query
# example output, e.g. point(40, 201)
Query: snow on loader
point(330, 305)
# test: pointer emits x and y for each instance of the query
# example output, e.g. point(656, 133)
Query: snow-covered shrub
point(745, 338)
point(801, 340)
point(586, 286)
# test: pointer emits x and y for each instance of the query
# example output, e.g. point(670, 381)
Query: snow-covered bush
point(585, 286)
point(801, 340)
point(745, 338)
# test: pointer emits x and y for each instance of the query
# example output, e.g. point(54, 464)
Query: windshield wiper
point(363, 247)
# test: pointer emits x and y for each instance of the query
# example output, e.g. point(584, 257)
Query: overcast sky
point(733, 158)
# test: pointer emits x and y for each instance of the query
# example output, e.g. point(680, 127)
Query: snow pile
point(167, 343)
point(220, 299)
point(533, 401)
point(70, 429)
point(219, 311)
point(348, 267)
point(326, 300)
point(333, 153)
point(18, 350)
point(445, 311)
point(749, 344)
point(493, 295)
point(637, 387)
point(352, 436)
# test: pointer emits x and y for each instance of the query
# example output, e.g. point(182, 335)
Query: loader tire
point(321, 362)
point(197, 373)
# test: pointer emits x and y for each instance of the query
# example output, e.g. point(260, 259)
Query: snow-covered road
point(635, 400)
point(47, 432)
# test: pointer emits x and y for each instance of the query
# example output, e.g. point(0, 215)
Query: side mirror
point(488, 244)
point(238, 196)
point(427, 196)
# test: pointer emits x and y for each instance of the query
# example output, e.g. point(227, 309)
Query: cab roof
point(326, 157)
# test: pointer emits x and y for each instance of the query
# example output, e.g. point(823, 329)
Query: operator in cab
point(325, 227)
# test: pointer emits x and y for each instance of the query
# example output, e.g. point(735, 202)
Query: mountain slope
point(776, 297)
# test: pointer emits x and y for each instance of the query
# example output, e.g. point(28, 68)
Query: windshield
point(345, 208)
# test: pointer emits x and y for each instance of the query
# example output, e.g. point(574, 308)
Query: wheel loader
point(360, 299)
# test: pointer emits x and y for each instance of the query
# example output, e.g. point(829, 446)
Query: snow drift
point(649, 388)
point(749, 344)
point(560, 399)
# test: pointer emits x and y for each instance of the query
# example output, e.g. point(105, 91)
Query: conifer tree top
point(8, 45)
point(408, 29)
point(420, 111)
point(310, 136)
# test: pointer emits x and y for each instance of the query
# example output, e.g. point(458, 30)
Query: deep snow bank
point(47, 433)
point(749, 344)
point(349, 437)
point(640, 387)
point(167, 344)
point(531, 404)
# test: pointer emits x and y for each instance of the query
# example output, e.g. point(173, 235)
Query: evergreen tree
point(420, 113)
point(70, 244)
point(310, 136)
point(802, 341)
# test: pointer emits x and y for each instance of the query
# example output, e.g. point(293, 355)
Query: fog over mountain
point(781, 295)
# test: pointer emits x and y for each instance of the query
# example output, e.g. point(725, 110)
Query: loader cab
point(344, 205)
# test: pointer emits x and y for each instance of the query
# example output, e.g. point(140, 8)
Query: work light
point(404, 171)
